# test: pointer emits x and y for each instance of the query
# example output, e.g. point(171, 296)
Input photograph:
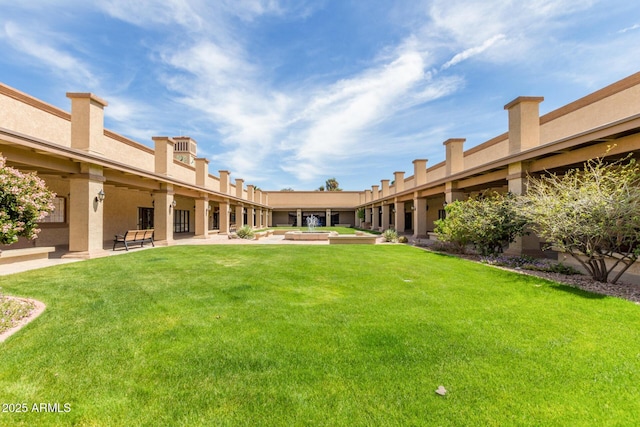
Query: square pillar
point(398, 178)
point(86, 217)
point(328, 218)
point(298, 217)
point(163, 214)
point(375, 218)
point(375, 192)
point(524, 123)
point(239, 216)
point(454, 155)
point(399, 216)
point(224, 181)
point(223, 216)
point(419, 172)
point(87, 122)
point(239, 187)
point(250, 217)
point(452, 193)
point(385, 187)
point(202, 217)
point(525, 245)
point(386, 219)
point(419, 217)
point(163, 154)
point(202, 171)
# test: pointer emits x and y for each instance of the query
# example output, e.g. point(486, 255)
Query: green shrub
point(403, 239)
point(390, 235)
point(490, 222)
point(245, 232)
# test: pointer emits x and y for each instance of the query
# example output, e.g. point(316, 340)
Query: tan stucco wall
point(136, 156)
point(313, 199)
point(32, 117)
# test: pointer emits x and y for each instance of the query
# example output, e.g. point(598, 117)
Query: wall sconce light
point(172, 205)
point(413, 208)
point(394, 210)
point(100, 196)
point(444, 205)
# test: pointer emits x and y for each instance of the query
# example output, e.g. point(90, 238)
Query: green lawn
point(316, 335)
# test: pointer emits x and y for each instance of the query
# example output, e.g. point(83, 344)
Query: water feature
point(312, 223)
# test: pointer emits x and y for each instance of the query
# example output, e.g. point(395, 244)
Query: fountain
point(311, 233)
point(312, 223)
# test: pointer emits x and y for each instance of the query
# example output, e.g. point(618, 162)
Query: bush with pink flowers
point(24, 201)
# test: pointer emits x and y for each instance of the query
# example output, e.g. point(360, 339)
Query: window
point(145, 218)
point(57, 216)
point(181, 221)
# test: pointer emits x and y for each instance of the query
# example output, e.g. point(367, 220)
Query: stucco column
point(399, 207)
point(87, 122)
point(419, 217)
point(250, 219)
point(398, 178)
point(375, 218)
point(224, 181)
point(163, 154)
point(452, 193)
point(328, 218)
point(223, 217)
point(384, 184)
point(298, 217)
point(86, 218)
point(419, 172)
point(454, 155)
point(163, 216)
point(525, 245)
point(202, 171)
point(385, 217)
point(202, 217)
point(367, 215)
point(524, 123)
point(239, 216)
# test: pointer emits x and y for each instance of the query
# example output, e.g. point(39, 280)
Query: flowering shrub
point(24, 200)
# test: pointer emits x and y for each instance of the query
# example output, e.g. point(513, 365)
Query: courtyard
point(292, 335)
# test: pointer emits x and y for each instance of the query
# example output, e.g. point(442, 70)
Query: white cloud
point(40, 45)
point(473, 51)
point(631, 28)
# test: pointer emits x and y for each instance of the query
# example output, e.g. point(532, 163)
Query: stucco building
point(170, 189)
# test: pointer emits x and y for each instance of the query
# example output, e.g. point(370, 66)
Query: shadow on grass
point(577, 291)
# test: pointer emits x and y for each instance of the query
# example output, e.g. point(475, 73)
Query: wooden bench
point(133, 237)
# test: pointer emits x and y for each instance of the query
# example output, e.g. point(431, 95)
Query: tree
point(490, 222)
point(24, 200)
point(332, 185)
point(593, 214)
point(287, 189)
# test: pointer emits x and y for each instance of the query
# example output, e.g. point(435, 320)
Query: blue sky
point(287, 93)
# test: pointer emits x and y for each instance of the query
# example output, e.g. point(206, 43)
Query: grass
point(316, 335)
